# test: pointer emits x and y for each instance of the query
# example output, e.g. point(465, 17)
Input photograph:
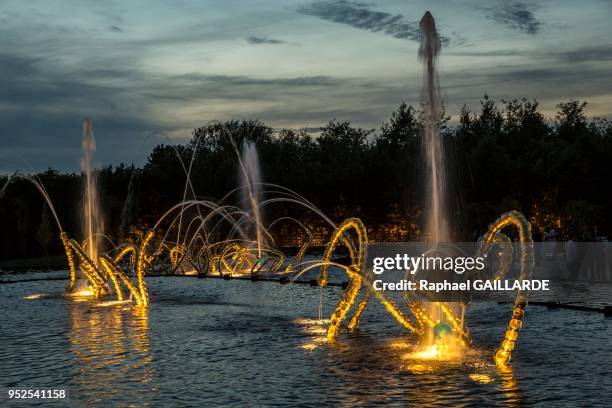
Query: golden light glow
point(112, 303)
point(35, 296)
point(441, 351)
point(110, 343)
point(82, 293)
point(481, 378)
point(314, 330)
point(420, 368)
point(400, 345)
point(306, 321)
point(315, 342)
point(433, 352)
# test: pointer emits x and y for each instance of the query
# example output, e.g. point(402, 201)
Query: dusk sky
point(152, 70)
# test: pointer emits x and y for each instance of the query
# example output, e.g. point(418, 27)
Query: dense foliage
point(506, 156)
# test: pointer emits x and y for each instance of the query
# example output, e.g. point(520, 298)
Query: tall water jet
point(436, 224)
point(92, 224)
point(436, 228)
point(250, 176)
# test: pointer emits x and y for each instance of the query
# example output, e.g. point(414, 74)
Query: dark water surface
point(206, 342)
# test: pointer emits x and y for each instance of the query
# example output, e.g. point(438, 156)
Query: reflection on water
point(111, 346)
point(212, 342)
point(510, 387)
point(369, 370)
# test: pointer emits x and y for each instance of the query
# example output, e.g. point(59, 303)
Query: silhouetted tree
point(503, 156)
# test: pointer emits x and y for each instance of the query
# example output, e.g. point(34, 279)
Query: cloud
point(15, 65)
point(41, 110)
point(263, 40)
point(471, 53)
point(358, 15)
point(569, 78)
point(168, 75)
point(593, 54)
point(517, 16)
point(587, 54)
point(228, 80)
point(559, 82)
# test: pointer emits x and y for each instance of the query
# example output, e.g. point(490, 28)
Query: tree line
point(507, 155)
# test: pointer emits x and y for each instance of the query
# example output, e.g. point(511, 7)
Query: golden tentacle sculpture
point(357, 277)
point(239, 255)
point(356, 273)
point(504, 352)
point(355, 270)
point(176, 254)
point(88, 267)
point(143, 262)
point(112, 274)
point(128, 249)
point(114, 271)
point(107, 269)
point(71, 265)
point(296, 262)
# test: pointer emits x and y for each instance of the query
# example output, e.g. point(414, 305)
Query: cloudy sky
point(149, 71)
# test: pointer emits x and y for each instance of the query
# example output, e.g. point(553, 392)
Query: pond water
point(209, 342)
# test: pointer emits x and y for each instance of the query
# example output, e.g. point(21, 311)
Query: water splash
point(436, 228)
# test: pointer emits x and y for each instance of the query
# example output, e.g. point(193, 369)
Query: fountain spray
point(91, 211)
point(429, 50)
point(436, 225)
point(250, 175)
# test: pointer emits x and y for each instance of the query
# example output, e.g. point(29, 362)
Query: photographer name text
point(468, 285)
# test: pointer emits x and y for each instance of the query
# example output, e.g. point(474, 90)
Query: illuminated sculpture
point(358, 278)
point(230, 256)
point(108, 269)
point(504, 352)
point(215, 241)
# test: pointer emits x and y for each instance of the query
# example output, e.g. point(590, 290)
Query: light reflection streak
point(111, 348)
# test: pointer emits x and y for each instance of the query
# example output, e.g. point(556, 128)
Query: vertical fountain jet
point(250, 176)
point(436, 226)
point(91, 212)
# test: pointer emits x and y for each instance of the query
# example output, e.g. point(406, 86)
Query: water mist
point(436, 224)
point(92, 222)
point(250, 176)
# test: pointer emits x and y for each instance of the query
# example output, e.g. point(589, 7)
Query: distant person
point(571, 258)
point(574, 255)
